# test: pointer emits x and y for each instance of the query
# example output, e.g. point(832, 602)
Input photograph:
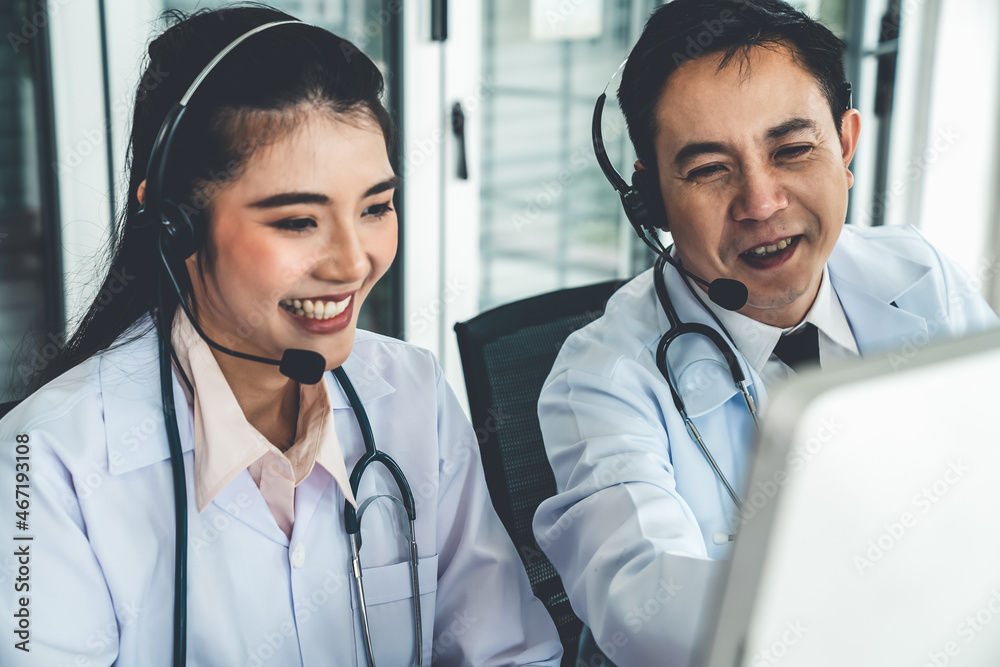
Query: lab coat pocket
point(389, 602)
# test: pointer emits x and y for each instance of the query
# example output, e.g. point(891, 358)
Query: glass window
point(30, 270)
point(549, 217)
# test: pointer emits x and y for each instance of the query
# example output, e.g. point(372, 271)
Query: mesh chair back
point(506, 354)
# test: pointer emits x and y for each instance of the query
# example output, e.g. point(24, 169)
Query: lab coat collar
point(133, 409)
point(366, 378)
point(868, 278)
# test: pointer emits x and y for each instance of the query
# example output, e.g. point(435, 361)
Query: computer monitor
point(873, 531)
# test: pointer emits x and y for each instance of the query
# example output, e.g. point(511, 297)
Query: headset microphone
point(303, 366)
point(726, 292)
point(644, 209)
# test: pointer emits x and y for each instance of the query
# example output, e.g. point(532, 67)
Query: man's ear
point(140, 192)
point(850, 130)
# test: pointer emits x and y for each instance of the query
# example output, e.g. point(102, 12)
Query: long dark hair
point(258, 92)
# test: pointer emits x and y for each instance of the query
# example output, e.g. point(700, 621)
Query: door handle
point(458, 128)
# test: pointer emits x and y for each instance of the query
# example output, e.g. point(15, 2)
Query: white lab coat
point(102, 517)
point(630, 531)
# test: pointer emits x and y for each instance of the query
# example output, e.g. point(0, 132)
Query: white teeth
point(315, 310)
point(760, 251)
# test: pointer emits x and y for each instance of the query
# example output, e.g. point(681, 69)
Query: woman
point(280, 162)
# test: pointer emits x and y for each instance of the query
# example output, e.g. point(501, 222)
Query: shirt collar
point(756, 340)
point(225, 443)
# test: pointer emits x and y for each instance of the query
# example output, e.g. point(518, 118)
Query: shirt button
point(298, 556)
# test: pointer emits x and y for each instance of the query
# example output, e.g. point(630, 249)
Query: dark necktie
point(799, 348)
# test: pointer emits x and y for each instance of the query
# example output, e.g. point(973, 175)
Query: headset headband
point(161, 147)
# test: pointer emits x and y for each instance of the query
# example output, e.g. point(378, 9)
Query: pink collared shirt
point(225, 442)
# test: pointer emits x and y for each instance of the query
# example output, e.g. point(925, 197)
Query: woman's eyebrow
point(291, 198)
point(387, 184)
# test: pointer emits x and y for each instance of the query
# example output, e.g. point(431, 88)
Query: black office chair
point(506, 354)
point(7, 407)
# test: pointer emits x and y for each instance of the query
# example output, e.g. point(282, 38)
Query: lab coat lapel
point(867, 280)
point(242, 500)
point(368, 381)
point(133, 408)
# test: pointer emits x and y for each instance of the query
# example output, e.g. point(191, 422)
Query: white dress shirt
point(757, 340)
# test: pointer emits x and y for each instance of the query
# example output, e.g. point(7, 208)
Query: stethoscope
point(676, 328)
point(645, 211)
point(177, 238)
point(352, 517)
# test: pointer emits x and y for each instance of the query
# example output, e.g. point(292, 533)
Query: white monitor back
point(875, 535)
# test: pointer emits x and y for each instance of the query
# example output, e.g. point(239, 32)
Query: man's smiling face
point(754, 176)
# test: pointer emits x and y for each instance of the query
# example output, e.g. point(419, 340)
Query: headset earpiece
point(647, 188)
point(181, 239)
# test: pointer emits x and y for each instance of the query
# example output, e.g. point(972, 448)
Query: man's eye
point(295, 224)
point(793, 152)
point(705, 172)
point(378, 210)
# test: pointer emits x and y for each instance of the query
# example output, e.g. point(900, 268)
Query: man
point(737, 110)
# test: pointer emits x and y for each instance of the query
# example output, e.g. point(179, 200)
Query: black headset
point(181, 237)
